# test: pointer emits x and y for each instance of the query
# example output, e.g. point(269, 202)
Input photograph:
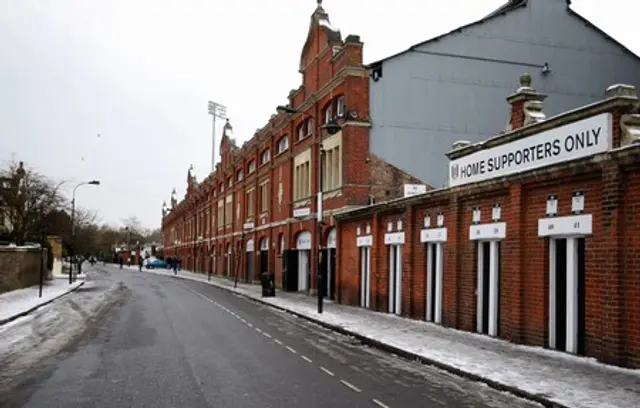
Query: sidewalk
point(545, 376)
point(21, 302)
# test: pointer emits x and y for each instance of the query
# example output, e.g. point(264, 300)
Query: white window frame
point(284, 139)
point(265, 157)
point(328, 114)
point(340, 106)
point(309, 126)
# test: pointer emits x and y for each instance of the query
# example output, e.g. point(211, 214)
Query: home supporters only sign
point(573, 141)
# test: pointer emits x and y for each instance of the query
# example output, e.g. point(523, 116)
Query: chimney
point(526, 105)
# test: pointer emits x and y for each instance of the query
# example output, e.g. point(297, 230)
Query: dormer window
point(252, 166)
point(266, 156)
point(328, 114)
point(340, 106)
point(283, 144)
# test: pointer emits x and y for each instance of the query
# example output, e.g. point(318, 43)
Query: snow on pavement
point(569, 380)
point(21, 300)
point(46, 331)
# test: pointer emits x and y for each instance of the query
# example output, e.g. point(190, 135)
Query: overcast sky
point(140, 73)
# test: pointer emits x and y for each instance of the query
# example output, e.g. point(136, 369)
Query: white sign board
point(414, 189)
point(365, 241)
point(250, 245)
point(565, 226)
point(301, 212)
point(573, 141)
point(394, 238)
point(482, 232)
point(433, 235)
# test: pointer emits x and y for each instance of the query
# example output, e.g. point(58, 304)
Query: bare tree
point(27, 198)
point(154, 236)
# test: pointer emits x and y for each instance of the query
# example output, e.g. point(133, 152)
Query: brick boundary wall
point(20, 267)
point(610, 183)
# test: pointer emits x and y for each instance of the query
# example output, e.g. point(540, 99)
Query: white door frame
point(303, 269)
point(364, 243)
point(492, 233)
point(434, 238)
point(434, 249)
point(395, 279)
point(570, 228)
point(395, 241)
point(303, 246)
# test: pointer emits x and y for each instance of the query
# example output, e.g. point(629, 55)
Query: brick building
point(535, 240)
point(256, 211)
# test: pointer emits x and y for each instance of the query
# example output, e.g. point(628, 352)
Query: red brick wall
point(630, 259)
point(612, 281)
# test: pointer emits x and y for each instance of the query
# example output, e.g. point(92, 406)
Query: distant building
point(452, 87)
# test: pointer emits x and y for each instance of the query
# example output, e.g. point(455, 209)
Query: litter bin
point(268, 284)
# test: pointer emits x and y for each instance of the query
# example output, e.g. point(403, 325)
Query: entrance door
point(488, 287)
point(365, 276)
point(435, 266)
point(290, 270)
point(329, 261)
point(264, 256)
point(303, 270)
point(395, 279)
point(303, 247)
point(229, 259)
point(567, 294)
point(331, 274)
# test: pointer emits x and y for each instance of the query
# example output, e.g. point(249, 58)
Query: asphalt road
point(177, 343)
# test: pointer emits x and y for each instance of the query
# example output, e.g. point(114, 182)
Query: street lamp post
point(332, 128)
point(73, 224)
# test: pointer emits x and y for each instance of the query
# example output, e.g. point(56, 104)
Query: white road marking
point(249, 324)
point(201, 295)
point(259, 330)
point(291, 350)
point(380, 404)
point(242, 320)
point(278, 341)
point(353, 387)
point(327, 371)
point(267, 335)
point(307, 359)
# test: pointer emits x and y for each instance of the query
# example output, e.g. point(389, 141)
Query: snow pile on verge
point(48, 330)
point(21, 300)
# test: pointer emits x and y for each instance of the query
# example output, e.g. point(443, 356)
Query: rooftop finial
point(525, 80)
point(319, 2)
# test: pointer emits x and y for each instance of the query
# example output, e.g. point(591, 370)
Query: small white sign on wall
point(394, 238)
point(566, 226)
point(492, 231)
point(364, 241)
point(433, 235)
